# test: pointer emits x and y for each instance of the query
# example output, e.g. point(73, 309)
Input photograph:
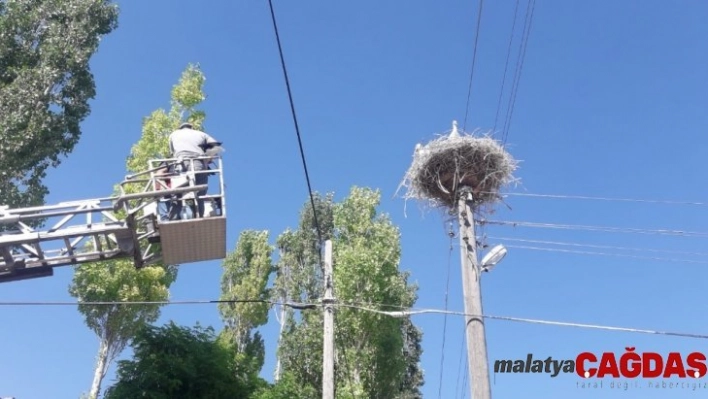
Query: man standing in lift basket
point(188, 143)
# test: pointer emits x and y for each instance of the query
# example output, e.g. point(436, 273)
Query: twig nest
point(444, 165)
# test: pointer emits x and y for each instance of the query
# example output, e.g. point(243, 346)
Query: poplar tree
point(376, 356)
point(119, 280)
point(45, 87)
point(245, 276)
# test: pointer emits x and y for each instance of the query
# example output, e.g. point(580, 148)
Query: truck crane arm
point(122, 226)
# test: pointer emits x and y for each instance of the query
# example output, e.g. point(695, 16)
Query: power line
point(585, 197)
point(474, 58)
point(596, 228)
point(297, 128)
point(447, 291)
point(459, 365)
point(294, 305)
point(520, 65)
point(397, 314)
point(385, 305)
point(574, 244)
point(414, 312)
point(465, 381)
point(506, 65)
point(606, 254)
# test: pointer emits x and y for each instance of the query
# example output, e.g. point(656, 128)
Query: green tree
point(413, 377)
point(119, 280)
point(298, 272)
point(286, 388)
point(245, 277)
point(45, 87)
point(377, 356)
point(174, 362)
point(115, 325)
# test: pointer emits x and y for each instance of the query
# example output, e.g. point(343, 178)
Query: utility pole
point(472, 290)
point(328, 346)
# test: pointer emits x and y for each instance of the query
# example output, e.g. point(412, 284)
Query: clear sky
point(612, 103)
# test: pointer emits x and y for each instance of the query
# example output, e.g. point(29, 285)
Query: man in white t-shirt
point(186, 143)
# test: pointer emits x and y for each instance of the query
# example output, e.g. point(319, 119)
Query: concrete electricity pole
point(328, 345)
point(472, 290)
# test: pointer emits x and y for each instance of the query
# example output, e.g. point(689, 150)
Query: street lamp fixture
point(494, 256)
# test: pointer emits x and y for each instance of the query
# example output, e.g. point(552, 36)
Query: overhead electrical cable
point(506, 66)
point(465, 380)
point(597, 198)
point(474, 59)
point(606, 229)
point(582, 245)
point(302, 155)
point(444, 332)
point(459, 364)
point(391, 313)
point(572, 251)
point(297, 127)
point(414, 312)
point(520, 65)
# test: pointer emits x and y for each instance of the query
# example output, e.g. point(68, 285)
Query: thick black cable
point(474, 58)
point(297, 127)
point(397, 314)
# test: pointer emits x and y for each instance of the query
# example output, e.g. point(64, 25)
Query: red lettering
point(647, 371)
point(608, 365)
point(580, 365)
point(674, 365)
point(696, 362)
point(630, 364)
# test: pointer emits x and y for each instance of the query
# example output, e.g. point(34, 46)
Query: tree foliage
point(174, 362)
point(186, 96)
point(245, 277)
point(287, 387)
point(119, 280)
point(377, 356)
point(45, 86)
point(115, 325)
point(298, 271)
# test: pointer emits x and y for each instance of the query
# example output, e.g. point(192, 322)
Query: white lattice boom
point(124, 226)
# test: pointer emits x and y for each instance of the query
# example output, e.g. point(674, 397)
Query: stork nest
point(449, 163)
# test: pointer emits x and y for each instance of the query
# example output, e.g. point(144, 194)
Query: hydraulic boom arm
point(84, 231)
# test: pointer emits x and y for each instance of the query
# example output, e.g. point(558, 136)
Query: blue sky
point(611, 103)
